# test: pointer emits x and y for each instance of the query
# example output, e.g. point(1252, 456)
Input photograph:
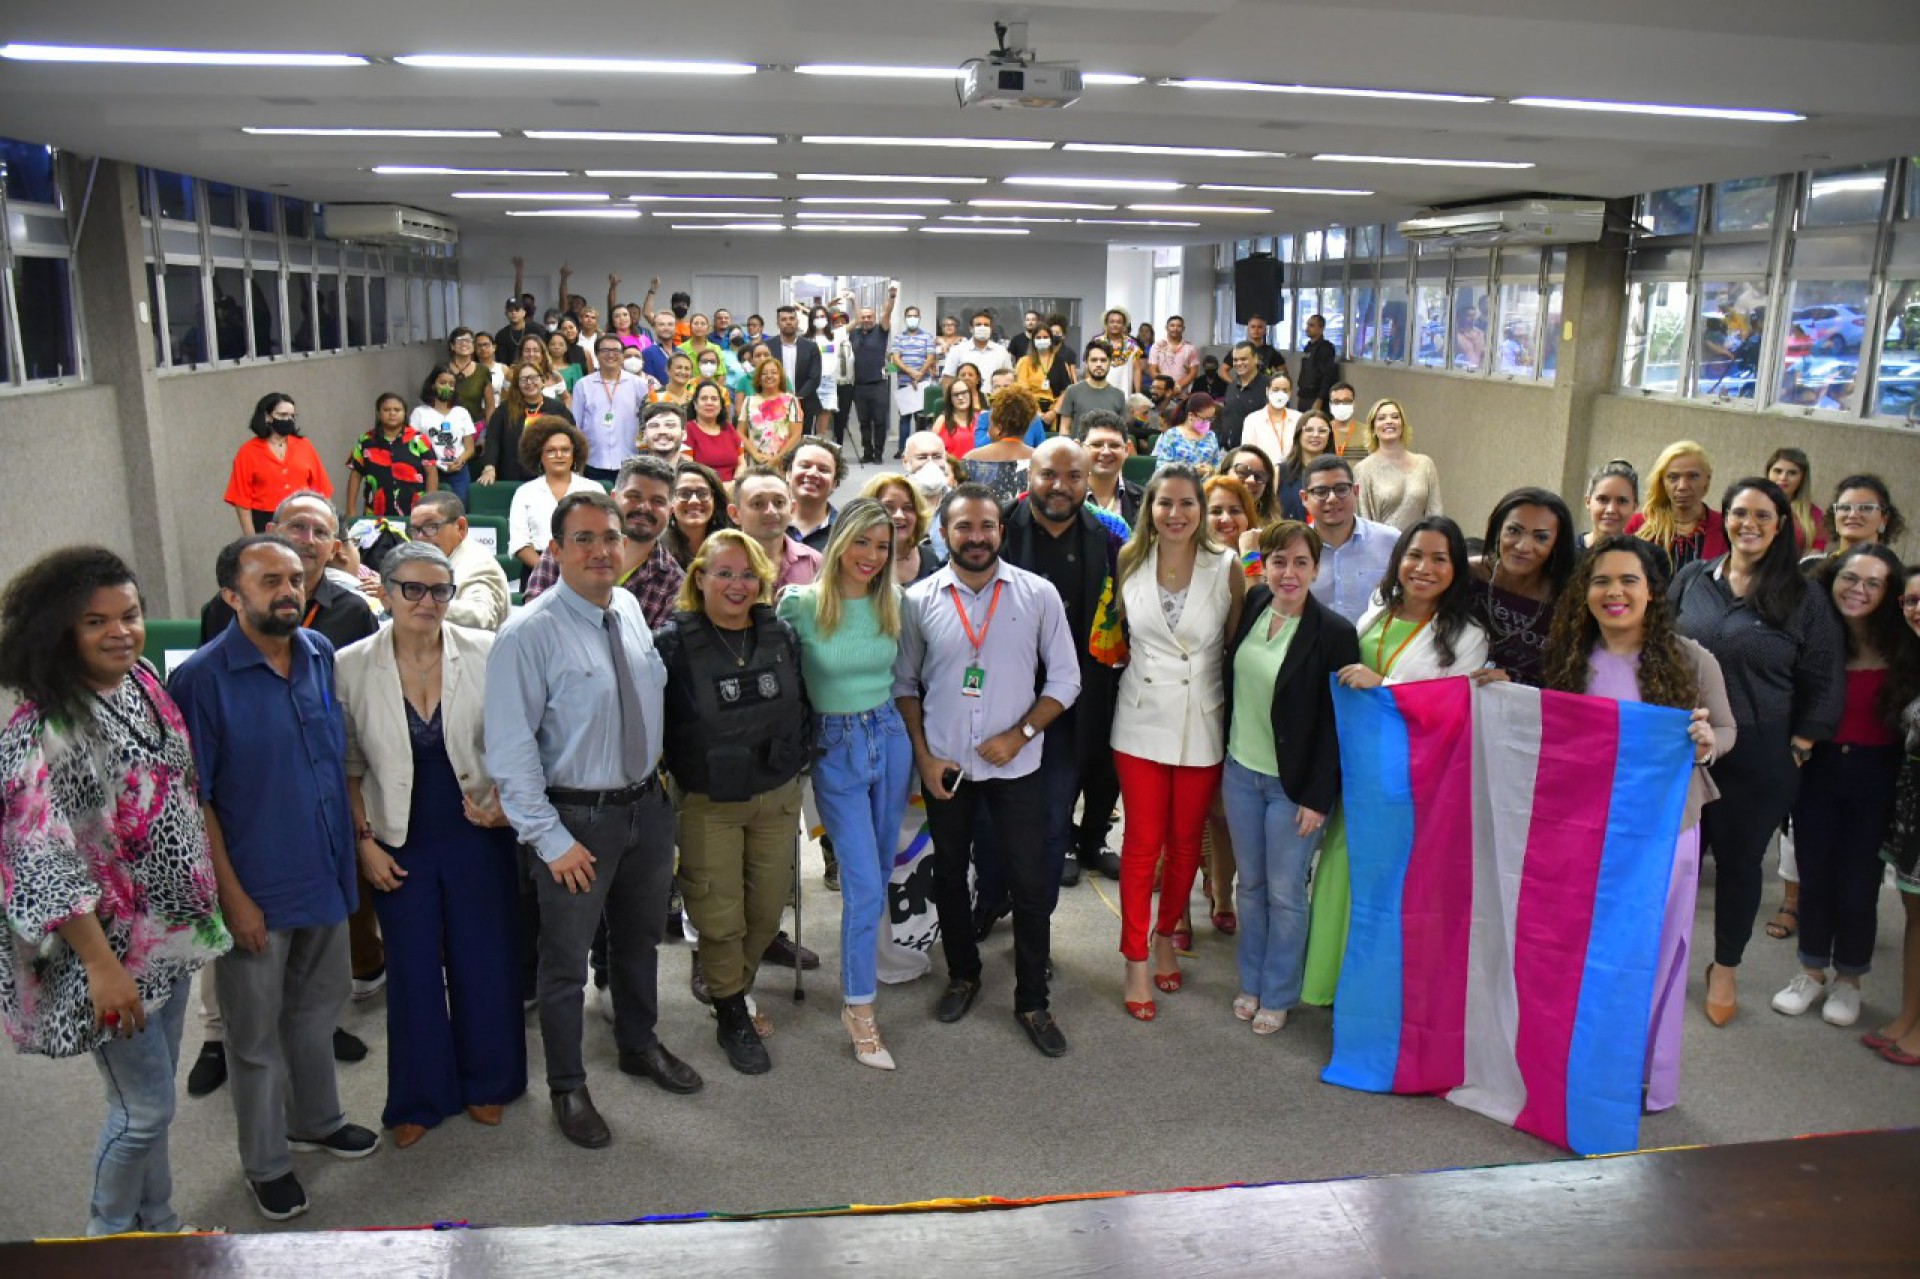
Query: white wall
point(1130, 282)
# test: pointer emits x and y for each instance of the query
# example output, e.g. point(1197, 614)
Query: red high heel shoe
point(1142, 1011)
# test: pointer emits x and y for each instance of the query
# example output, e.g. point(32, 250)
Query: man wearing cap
point(519, 328)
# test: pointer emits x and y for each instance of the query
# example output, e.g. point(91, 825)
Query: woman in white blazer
point(1181, 596)
point(436, 848)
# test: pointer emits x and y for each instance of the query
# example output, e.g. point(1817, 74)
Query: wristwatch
point(1028, 731)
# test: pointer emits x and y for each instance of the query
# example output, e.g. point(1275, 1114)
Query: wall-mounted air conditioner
point(1513, 222)
point(386, 224)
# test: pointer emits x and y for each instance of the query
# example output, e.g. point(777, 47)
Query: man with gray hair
point(480, 599)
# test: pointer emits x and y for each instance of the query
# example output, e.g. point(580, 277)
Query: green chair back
point(170, 642)
point(490, 531)
point(491, 499)
point(1138, 470)
point(932, 399)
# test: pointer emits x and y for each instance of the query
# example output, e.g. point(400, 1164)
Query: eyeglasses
point(1910, 602)
point(428, 531)
point(1855, 582)
point(587, 541)
point(1857, 508)
point(416, 591)
point(692, 495)
point(1762, 518)
point(1252, 474)
point(727, 576)
point(310, 531)
point(1321, 492)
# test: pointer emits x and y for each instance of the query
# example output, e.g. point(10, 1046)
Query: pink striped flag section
point(1509, 853)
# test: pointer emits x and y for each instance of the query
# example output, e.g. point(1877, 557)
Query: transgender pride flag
point(1510, 850)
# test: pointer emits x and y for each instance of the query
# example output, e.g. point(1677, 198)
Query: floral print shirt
point(100, 818)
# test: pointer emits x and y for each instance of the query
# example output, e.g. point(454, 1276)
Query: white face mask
point(632, 364)
point(820, 322)
point(982, 332)
point(1343, 412)
point(1278, 399)
point(913, 323)
point(708, 368)
point(1042, 343)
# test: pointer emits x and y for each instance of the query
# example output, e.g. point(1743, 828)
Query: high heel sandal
point(868, 1049)
point(1140, 1009)
point(1169, 982)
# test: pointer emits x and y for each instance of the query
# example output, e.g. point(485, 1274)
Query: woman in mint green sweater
point(849, 628)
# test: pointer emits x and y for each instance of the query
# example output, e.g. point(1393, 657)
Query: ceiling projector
point(1010, 77)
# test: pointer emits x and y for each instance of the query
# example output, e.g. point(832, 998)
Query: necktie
point(633, 721)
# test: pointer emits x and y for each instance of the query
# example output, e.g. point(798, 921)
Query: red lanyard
point(979, 641)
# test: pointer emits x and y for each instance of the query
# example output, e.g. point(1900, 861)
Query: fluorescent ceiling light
point(1323, 91)
point(1424, 161)
point(1130, 222)
point(860, 230)
point(1233, 186)
point(1196, 208)
point(1651, 108)
point(899, 201)
point(1095, 184)
point(508, 62)
point(1110, 77)
point(724, 175)
point(704, 199)
point(891, 178)
point(862, 217)
point(972, 230)
point(1041, 204)
point(622, 135)
point(987, 144)
point(877, 72)
point(582, 196)
point(175, 57)
point(1138, 148)
point(729, 226)
point(276, 132)
point(441, 171)
point(996, 217)
point(730, 213)
point(622, 214)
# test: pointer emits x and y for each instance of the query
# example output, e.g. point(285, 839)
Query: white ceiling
point(1851, 68)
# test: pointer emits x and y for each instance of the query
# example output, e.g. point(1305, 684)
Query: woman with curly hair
point(1613, 636)
point(106, 874)
point(1001, 463)
point(554, 452)
point(526, 398)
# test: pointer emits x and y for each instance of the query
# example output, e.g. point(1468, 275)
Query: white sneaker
point(365, 988)
point(1843, 1004)
point(1800, 994)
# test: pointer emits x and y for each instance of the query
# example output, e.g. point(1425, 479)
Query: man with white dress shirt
point(606, 408)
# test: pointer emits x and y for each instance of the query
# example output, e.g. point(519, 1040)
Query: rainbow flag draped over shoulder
point(1510, 852)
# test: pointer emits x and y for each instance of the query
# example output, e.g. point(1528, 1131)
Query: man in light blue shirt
point(1354, 551)
point(976, 639)
point(914, 361)
point(574, 728)
point(606, 407)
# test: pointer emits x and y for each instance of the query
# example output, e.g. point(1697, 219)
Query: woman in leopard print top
point(105, 872)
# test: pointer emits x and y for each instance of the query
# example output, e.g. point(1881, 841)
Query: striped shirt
point(911, 347)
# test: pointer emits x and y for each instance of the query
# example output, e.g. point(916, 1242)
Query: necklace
point(739, 656)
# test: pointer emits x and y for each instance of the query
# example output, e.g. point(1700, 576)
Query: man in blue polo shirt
point(269, 743)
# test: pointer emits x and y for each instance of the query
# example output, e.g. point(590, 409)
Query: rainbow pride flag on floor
point(1510, 851)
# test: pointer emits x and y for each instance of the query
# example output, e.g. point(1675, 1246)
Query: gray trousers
point(633, 871)
point(280, 1008)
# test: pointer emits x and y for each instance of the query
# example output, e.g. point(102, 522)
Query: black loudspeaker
point(1256, 288)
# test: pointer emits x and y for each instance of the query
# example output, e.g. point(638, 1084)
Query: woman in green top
point(1283, 763)
point(849, 628)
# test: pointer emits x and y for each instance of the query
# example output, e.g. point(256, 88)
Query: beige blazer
point(1172, 701)
point(379, 749)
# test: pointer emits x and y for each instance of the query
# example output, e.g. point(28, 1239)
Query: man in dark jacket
point(1319, 365)
point(800, 357)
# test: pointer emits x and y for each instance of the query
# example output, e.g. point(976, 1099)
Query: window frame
point(16, 381)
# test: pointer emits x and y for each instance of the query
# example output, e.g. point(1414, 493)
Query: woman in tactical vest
point(739, 732)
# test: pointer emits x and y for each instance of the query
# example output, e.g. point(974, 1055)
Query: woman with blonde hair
point(738, 736)
point(1790, 469)
point(1397, 486)
point(913, 555)
point(1675, 516)
point(848, 624)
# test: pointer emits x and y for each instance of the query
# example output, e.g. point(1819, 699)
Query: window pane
point(1518, 351)
point(329, 312)
point(300, 310)
point(1333, 309)
point(356, 291)
point(223, 205)
point(1362, 332)
point(299, 216)
point(417, 328)
point(1394, 321)
point(1336, 243)
point(1365, 241)
point(43, 294)
point(1393, 244)
point(265, 287)
point(1656, 335)
point(377, 310)
point(1820, 360)
point(1837, 197)
point(1733, 319)
point(1745, 204)
point(1550, 332)
point(186, 316)
point(1430, 310)
point(1913, 188)
point(1899, 381)
point(261, 209)
point(1670, 212)
point(176, 195)
point(229, 312)
point(29, 172)
point(1470, 315)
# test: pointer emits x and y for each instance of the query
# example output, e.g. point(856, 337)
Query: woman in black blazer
point(1282, 774)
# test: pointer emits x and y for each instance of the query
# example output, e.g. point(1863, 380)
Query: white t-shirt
point(988, 360)
point(448, 432)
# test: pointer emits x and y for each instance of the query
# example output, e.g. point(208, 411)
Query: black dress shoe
point(1069, 871)
point(1044, 1031)
point(832, 875)
point(661, 1066)
point(985, 917)
point(954, 1003)
point(738, 1039)
point(1100, 861)
point(347, 1046)
point(209, 1069)
point(783, 952)
point(579, 1122)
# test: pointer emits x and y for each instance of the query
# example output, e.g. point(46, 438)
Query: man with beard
point(1354, 550)
point(663, 430)
point(814, 470)
point(872, 393)
point(644, 492)
point(269, 742)
point(1094, 394)
point(1056, 535)
point(976, 639)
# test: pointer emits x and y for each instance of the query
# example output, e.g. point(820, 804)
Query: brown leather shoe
point(579, 1122)
point(488, 1115)
point(405, 1135)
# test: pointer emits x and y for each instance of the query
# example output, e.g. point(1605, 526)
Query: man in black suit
point(1055, 534)
point(1319, 365)
point(801, 359)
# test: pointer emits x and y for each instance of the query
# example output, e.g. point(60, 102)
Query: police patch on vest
point(750, 689)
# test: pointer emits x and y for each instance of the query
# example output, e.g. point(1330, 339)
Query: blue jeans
point(860, 786)
point(132, 1179)
point(1272, 894)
